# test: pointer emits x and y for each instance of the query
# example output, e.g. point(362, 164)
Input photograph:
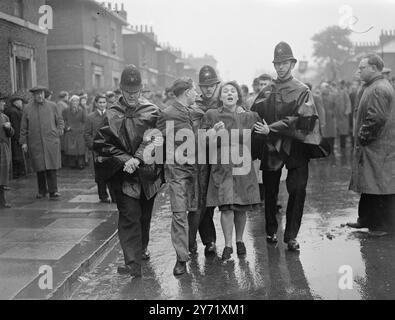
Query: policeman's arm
point(379, 108)
point(107, 145)
point(139, 154)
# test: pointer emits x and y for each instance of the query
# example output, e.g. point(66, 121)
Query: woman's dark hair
point(100, 96)
point(238, 89)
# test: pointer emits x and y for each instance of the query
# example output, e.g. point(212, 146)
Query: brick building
point(140, 44)
point(85, 47)
point(23, 55)
point(167, 67)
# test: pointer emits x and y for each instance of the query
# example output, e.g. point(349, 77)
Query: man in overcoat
point(41, 129)
point(94, 122)
point(120, 146)
point(14, 113)
point(181, 177)
point(290, 125)
point(6, 131)
point(373, 167)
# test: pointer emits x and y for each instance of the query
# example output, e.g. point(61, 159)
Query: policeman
point(209, 85)
point(290, 115)
point(120, 147)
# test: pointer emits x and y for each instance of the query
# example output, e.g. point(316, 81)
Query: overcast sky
point(241, 34)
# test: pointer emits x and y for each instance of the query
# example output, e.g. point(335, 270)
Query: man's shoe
point(54, 196)
point(271, 239)
point(241, 248)
point(125, 269)
point(146, 255)
point(5, 206)
point(210, 249)
point(41, 196)
point(355, 225)
point(6, 188)
point(105, 200)
point(180, 268)
point(293, 245)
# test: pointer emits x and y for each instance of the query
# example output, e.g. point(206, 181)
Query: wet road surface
point(329, 252)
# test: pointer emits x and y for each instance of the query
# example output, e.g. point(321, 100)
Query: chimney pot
point(122, 7)
point(109, 5)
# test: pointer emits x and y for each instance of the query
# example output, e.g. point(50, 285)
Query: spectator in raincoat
point(14, 113)
point(373, 167)
point(41, 129)
point(74, 143)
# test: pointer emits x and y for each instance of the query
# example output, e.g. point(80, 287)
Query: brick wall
point(10, 32)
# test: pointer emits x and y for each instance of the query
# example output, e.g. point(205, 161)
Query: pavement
point(335, 262)
point(44, 244)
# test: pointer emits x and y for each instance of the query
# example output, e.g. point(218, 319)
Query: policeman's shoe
point(41, 196)
point(241, 248)
point(272, 239)
point(355, 225)
point(293, 245)
point(227, 253)
point(54, 196)
point(146, 254)
point(180, 268)
point(210, 249)
point(134, 270)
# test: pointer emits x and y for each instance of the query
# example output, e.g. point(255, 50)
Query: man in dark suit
point(93, 123)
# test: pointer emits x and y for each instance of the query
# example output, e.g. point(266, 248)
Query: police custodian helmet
point(131, 79)
point(283, 52)
point(208, 76)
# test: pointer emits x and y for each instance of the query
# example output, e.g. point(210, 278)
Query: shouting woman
point(233, 186)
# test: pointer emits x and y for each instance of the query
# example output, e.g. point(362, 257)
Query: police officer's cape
point(303, 125)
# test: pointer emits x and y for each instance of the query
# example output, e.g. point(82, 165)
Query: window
point(18, 8)
point(97, 77)
point(22, 67)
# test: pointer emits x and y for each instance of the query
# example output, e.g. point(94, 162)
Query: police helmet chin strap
point(288, 74)
point(216, 86)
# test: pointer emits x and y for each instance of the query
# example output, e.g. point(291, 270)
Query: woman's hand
point(219, 126)
point(131, 165)
point(262, 128)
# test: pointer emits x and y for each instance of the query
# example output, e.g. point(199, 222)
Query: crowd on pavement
point(290, 123)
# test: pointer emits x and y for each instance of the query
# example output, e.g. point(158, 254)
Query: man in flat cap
point(41, 129)
point(120, 145)
point(292, 122)
point(181, 177)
